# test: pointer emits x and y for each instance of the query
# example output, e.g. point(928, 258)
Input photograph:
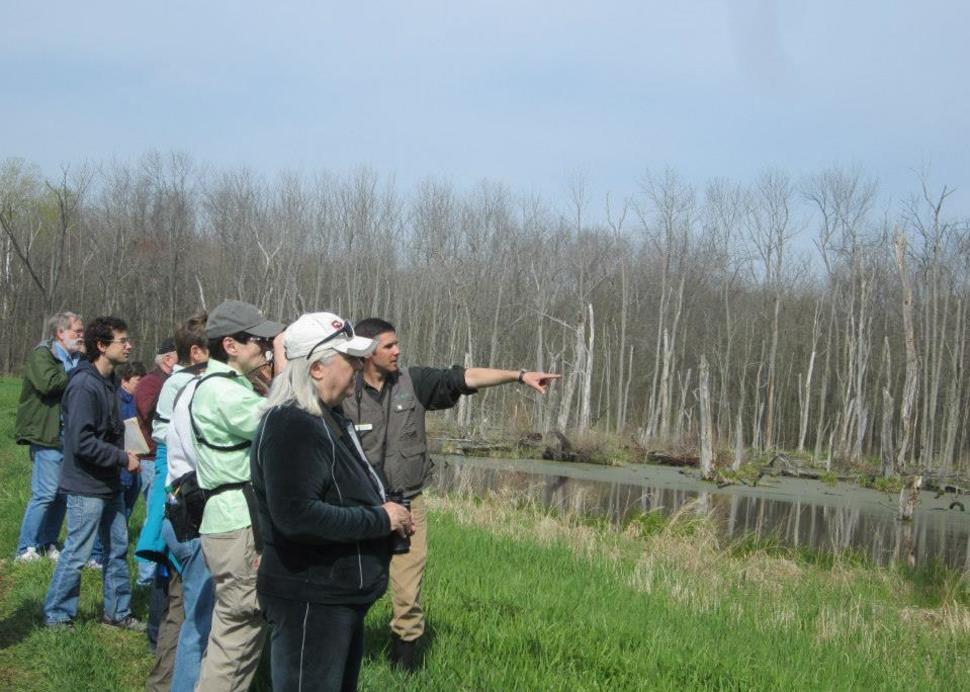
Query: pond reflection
point(795, 512)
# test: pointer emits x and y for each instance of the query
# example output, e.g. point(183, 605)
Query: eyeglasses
point(245, 338)
point(347, 329)
point(123, 340)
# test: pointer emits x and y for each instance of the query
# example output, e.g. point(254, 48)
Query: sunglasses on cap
point(347, 329)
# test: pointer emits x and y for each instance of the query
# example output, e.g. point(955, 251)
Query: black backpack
point(185, 512)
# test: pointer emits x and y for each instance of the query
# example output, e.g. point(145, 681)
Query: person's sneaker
point(126, 623)
point(29, 555)
point(53, 553)
point(93, 564)
point(60, 625)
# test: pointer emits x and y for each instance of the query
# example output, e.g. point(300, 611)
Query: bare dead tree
point(707, 428)
point(912, 363)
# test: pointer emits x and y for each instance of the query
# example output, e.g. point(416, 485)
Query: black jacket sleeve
point(81, 430)
point(439, 388)
point(296, 459)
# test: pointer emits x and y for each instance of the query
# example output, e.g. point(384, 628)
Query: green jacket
point(225, 411)
point(39, 411)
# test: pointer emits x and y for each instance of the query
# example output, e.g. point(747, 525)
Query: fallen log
point(485, 449)
point(780, 457)
point(797, 472)
point(665, 459)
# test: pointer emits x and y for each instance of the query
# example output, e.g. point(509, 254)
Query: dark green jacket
point(39, 411)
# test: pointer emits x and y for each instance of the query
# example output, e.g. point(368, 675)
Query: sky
point(529, 94)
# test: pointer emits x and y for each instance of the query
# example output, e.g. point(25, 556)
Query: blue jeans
point(45, 510)
point(88, 517)
point(198, 599)
point(130, 485)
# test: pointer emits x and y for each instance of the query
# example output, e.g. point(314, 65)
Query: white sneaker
point(29, 555)
point(53, 553)
point(92, 564)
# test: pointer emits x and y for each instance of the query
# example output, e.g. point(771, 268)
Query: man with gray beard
point(39, 425)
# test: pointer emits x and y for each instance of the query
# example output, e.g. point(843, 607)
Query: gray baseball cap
point(234, 316)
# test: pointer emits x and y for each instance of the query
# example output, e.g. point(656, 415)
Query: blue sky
point(524, 93)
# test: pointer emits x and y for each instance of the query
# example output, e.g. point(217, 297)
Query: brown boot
point(402, 654)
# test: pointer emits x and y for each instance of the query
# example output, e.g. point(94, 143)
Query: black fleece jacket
point(326, 537)
point(94, 434)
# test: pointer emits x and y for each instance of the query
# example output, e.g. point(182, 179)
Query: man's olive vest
point(398, 418)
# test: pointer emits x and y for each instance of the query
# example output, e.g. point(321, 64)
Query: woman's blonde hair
point(295, 386)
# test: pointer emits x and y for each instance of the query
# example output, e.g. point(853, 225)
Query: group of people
point(282, 461)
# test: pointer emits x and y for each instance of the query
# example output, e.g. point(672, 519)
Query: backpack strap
point(199, 437)
point(196, 370)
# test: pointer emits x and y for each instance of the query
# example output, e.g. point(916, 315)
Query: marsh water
point(797, 512)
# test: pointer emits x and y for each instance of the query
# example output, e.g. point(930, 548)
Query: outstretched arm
point(480, 378)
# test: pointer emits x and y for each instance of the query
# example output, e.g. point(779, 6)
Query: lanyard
point(346, 435)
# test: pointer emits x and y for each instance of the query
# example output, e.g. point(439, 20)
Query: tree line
point(814, 316)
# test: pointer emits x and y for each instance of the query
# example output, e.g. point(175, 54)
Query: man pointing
point(388, 409)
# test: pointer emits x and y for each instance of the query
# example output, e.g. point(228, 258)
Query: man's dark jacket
point(39, 410)
point(319, 505)
point(94, 434)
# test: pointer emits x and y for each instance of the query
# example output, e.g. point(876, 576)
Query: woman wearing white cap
point(322, 511)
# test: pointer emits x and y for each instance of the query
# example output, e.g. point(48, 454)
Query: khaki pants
point(236, 638)
point(160, 678)
point(407, 575)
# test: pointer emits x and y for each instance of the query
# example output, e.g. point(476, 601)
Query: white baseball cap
point(316, 332)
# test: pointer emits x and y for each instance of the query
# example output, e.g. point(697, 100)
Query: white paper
point(134, 440)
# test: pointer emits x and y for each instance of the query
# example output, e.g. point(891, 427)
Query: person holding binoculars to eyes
point(224, 412)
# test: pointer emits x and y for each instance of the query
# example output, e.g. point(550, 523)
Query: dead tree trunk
point(886, 436)
point(584, 406)
point(806, 394)
point(769, 438)
point(738, 442)
point(823, 389)
point(572, 380)
point(909, 498)
point(706, 424)
point(955, 388)
point(912, 364)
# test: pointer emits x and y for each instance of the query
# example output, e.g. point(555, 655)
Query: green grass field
point(518, 599)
